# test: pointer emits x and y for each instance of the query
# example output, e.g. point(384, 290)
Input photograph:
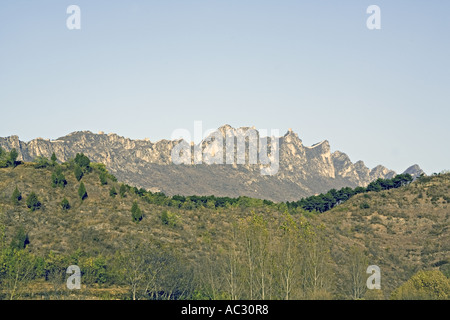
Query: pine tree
point(165, 217)
point(82, 161)
point(103, 180)
point(53, 158)
point(122, 190)
point(41, 162)
point(3, 158)
point(136, 212)
point(65, 205)
point(13, 154)
point(113, 192)
point(58, 179)
point(20, 240)
point(33, 202)
point(16, 196)
point(78, 172)
point(82, 191)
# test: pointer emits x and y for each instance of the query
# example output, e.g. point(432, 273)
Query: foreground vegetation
point(133, 244)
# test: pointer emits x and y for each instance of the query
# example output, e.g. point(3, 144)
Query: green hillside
point(134, 244)
point(402, 230)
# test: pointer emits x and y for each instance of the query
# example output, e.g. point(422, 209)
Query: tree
point(20, 239)
point(82, 161)
point(231, 265)
point(58, 179)
point(358, 263)
point(16, 196)
point(65, 205)
point(13, 154)
point(78, 172)
point(316, 263)
point(3, 158)
point(138, 271)
point(8, 159)
point(136, 212)
point(82, 193)
point(169, 218)
point(165, 217)
point(41, 162)
point(20, 269)
point(122, 190)
point(256, 239)
point(152, 271)
point(288, 257)
point(112, 192)
point(53, 158)
point(103, 178)
point(33, 202)
point(424, 285)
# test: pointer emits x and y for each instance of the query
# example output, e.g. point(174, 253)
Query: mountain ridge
point(303, 170)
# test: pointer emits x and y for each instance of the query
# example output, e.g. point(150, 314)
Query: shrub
point(41, 162)
point(65, 205)
point(8, 159)
point(169, 218)
point(364, 205)
point(94, 269)
point(376, 220)
point(424, 285)
point(445, 269)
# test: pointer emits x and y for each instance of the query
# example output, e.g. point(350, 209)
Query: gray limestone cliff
point(303, 170)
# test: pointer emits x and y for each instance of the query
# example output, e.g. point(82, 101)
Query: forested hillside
point(134, 244)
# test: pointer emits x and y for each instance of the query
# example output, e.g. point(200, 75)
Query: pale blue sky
point(145, 68)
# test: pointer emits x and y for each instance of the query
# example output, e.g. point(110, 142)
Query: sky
point(143, 69)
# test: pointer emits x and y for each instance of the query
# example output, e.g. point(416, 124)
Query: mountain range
point(302, 170)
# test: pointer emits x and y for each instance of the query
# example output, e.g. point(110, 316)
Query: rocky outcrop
point(415, 171)
point(303, 170)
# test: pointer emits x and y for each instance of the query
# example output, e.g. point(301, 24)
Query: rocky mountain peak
point(303, 170)
point(415, 171)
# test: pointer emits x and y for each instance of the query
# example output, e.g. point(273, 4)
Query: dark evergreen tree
point(53, 158)
point(136, 212)
point(16, 196)
point(11, 160)
point(65, 205)
point(113, 192)
point(122, 190)
point(20, 239)
point(3, 158)
point(165, 217)
point(82, 161)
point(103, 178)
point(58, 178)
point(78, 172)
point(33, 202)
point(41, 162)
point(82, 193)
